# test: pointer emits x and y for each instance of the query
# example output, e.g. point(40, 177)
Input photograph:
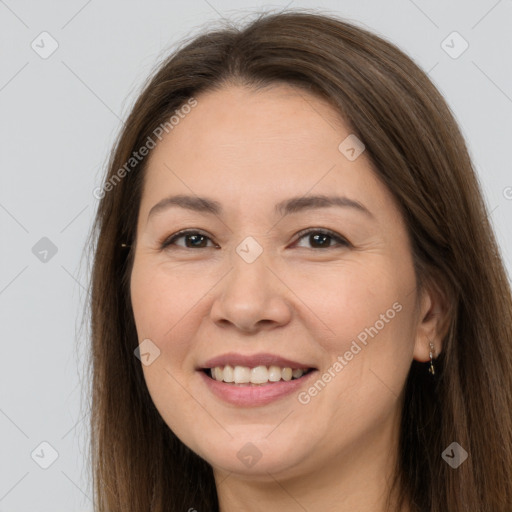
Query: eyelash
point(327, 232)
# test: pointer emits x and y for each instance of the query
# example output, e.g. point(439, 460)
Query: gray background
point(58, 119)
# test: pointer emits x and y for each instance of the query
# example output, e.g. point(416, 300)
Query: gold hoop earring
point(432, 350)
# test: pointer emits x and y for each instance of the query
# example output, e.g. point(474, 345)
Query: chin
point(252, 454)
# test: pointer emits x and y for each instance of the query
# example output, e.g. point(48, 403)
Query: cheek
point(163, 303)
point(354, 297)
point(370, 313)
point(163, 306)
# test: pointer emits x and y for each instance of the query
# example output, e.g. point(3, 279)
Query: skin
point(250, 150)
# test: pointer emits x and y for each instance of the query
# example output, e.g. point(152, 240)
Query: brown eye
point(321, 238)
point(193, 239)
point(318, 238)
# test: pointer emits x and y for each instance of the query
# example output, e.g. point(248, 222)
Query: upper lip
point(262, 359)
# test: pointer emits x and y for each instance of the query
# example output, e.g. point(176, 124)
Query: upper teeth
point(257, 375)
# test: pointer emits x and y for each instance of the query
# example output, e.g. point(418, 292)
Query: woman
point(298, 302)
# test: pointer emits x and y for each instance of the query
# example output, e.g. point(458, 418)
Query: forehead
point(238, 123)
point(238, 144)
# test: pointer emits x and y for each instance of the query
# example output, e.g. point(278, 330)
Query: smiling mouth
point(255, 376)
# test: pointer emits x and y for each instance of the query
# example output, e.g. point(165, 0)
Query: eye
point(197, 239)
point(320, 238)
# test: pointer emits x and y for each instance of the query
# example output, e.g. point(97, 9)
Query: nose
point(251, 297)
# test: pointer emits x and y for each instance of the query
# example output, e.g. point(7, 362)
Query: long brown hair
point(419, 153)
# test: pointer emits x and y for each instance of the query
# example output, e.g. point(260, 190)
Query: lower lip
point(254, 396)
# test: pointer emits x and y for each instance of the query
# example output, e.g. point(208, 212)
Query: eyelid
point(189, 231)
point(341, 240)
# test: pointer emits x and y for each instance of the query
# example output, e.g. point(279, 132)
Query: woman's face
point(248, 286)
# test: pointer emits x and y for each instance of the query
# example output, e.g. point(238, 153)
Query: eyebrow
point(286, 207)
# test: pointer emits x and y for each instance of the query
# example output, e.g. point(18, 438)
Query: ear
point(433, 321)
